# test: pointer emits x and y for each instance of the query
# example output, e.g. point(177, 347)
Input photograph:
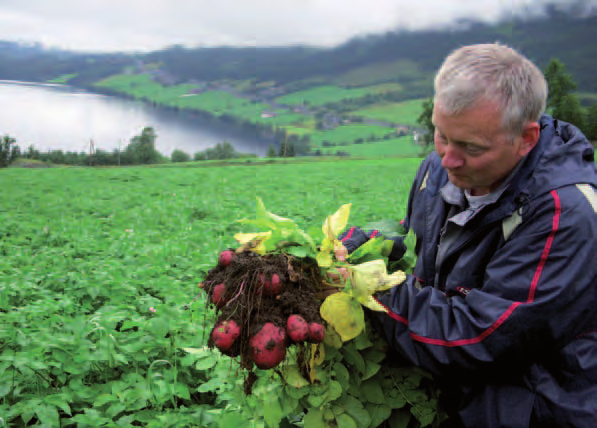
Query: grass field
point(403, 146)
point(404, 113)
point(320, 95)
point(98, 267)
point(348, 134)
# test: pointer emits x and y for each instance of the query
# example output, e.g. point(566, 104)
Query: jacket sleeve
point(537, 294)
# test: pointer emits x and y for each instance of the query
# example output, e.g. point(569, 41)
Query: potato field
point(102, 323)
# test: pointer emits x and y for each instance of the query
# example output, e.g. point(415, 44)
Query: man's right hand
point(354, 237)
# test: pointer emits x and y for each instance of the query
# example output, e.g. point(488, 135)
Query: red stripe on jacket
point(348, 235)
point(461, 342)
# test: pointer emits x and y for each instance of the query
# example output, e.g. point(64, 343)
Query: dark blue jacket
point(508, 321)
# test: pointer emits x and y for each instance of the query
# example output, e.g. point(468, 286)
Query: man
point(502, 305)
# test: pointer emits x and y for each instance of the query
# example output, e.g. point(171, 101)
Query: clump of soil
point(249, 301)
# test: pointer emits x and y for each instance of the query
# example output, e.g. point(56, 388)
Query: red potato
point(225, 334)
point(226, 257)
point(268, 346)
point(316, 332)
point(218, 296)
point(269, 287)
point(297, 328)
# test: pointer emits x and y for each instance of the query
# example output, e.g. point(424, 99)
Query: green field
point(403, 146)
point(320, 95)
point(404, 113)
point(98, 267)
point(348, 134)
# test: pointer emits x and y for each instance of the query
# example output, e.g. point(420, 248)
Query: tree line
point(140, 151)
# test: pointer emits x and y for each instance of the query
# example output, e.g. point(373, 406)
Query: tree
point(570, 110)
point(180, 156)
point(271, 151)
point(199, 156)
point(425, 119)
point(8, 151)
point(591, 123)
point(290, 150)
point(559, 82)
point(141, 149)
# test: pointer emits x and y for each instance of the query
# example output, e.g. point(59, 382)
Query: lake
point(53, 117)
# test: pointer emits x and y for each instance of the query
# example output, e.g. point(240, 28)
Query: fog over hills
point(565, 33)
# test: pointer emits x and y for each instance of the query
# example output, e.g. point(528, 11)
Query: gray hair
point(496, 73)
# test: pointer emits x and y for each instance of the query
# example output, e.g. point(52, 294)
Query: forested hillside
point(409, 58)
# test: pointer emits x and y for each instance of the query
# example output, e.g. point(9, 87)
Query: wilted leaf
point(344, 314)
point(336, 223)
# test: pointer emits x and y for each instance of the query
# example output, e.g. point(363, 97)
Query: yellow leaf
point(335, 223)
point(372, 304)
point(344, 314)
point(253, 241)
point(317, 357)
point(324, 259)
point(371, 277)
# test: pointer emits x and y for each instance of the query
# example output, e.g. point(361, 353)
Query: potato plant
point(311, 328)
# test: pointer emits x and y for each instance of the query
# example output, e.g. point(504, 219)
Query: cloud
point(110, 25)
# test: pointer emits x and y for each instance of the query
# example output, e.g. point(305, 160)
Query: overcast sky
point(141, 25)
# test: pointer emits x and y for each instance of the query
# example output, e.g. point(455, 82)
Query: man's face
point(475, 151)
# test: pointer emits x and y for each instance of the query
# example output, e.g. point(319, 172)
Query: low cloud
point(128, 25)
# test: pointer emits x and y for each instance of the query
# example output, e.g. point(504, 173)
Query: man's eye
point(474, 150)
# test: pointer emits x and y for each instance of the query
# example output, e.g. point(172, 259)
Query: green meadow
point(320, 95)
point(98, 284)
point(404, 113)
point(403, 146)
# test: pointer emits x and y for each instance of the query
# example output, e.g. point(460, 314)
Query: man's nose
point(452, 159)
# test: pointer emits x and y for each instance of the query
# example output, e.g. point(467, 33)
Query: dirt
point(303, 289)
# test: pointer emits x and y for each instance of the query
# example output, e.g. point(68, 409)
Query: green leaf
point(372, 391)
point(355, 408)
point(342, 376)
point(272, 412)
point(48, 415)
point(400, 418)
point(296, 393)
point(297, 251)
point(205, 363)
point(354, 357)
point(373, 249)
point(395, 399)
point(371, 369)
point(362, 341)
point(60, 401)
point(293, 377)
point(345, 421)
point(232, 420)
point(182, 390)
point(211, 385)
point(332, 338)
point(316, 400)
point(374, 355)
point(314, 419)
point(334, 390)
point(378, 413)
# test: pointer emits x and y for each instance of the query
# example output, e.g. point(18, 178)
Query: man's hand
point(354, 237)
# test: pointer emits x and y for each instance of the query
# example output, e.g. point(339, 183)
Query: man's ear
point(530, 136)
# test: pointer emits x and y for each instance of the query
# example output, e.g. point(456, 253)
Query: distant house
point(268, 114)
point(402, 130)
